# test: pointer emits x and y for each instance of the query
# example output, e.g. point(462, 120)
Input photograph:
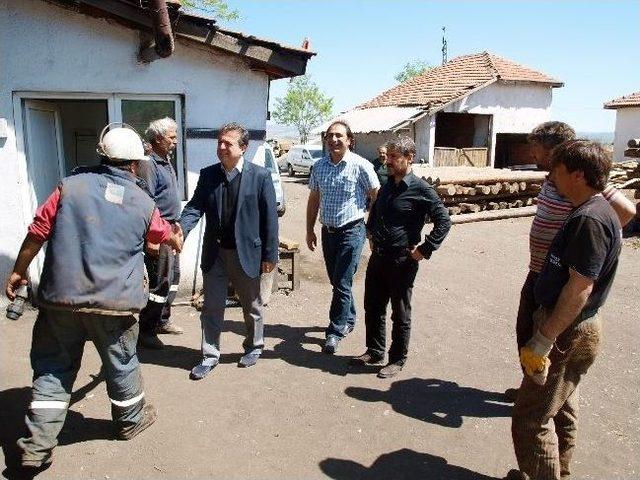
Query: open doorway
point(462, 139)
point(513, 151)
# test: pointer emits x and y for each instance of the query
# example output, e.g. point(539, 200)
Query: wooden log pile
point(626, 175)
point(474, 190)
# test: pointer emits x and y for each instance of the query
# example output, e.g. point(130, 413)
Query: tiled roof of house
point(455, 79)
point(632, 100)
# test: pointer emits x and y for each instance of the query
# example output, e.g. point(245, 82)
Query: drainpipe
point(164, 43)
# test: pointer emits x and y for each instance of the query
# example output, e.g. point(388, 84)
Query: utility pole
point(444, 45)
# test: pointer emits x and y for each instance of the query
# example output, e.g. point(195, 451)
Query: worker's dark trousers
point(389, 278)
point(56, 352)
point(545, 417)
point(164, 278)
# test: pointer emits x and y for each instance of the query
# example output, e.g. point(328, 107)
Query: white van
point(265, 158)
point(301, 158)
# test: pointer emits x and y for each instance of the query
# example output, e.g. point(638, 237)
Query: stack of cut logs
point(627, 174)
point(471, 190)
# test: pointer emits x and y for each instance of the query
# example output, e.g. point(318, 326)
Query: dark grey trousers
point(56, 353)
point(215, 281)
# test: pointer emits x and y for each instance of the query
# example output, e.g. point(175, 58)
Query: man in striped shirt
point(339, 185)
point(553, 209)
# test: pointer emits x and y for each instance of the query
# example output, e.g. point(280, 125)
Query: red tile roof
point(632, 100)
point(455, 79)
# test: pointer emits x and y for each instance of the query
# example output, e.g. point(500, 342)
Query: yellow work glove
point(534, 357)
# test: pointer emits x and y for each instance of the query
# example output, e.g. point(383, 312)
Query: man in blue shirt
point(340, 183)
point(162, 263)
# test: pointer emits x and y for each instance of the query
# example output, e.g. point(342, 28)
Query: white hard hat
point(121, 143)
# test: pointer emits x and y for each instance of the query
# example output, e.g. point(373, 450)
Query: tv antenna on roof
point(444, 45)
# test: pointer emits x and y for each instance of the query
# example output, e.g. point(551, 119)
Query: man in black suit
point(240, 242)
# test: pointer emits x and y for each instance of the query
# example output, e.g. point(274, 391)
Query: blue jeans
point(341, 249)
point(56, 352)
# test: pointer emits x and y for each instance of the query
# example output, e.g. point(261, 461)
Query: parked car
point(265, 158)
point(301, 158)
point(283, 162)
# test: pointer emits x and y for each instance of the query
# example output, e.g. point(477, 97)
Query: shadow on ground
point(436, 401)
point(399, 465)
point(14, 403)
point(299, 348)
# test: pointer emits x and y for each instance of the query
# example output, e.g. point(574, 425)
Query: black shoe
point(367, 359)
point(516, 475)
point(149, 415)
point(151, 342)
point(200, 371)
point(331, 345)
point(511, 394)
point(169, 328)
point(390, 370)
point(248, 360)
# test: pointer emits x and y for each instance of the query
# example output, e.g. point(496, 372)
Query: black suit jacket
point(256, 228)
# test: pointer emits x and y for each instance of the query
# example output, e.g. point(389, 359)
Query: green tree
point(218, 8)
point(304, 106)
point(411, 69)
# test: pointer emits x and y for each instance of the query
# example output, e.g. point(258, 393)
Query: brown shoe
point(390, 370)
point(151, 342)
point(170, 328)
point(366, 359)
point(149, 415)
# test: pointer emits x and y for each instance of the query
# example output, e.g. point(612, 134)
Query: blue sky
point(362, 44)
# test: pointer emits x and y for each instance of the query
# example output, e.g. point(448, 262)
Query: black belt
point(391, 251)
point(344, 227)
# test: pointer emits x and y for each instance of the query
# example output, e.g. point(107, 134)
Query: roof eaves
point(279, 61)
point(438, 108)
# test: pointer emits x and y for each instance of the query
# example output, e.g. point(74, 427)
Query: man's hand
point(312, 240)
point(177, 239)
point(152, 249)
point(14, 282)
point(415, 254)
point(267, 267)
point(534, 357)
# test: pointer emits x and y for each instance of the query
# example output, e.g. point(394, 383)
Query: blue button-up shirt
point(343, 188)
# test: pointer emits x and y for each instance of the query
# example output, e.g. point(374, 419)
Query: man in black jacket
point(404, 204)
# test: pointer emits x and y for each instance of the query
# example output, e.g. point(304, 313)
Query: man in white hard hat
point(163, 265)
point(95, 224)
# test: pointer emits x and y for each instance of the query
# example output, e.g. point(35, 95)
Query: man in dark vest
point(163, 264)
point(240, 242)
point(95, 224)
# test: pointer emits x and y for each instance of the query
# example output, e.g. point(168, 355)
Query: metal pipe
point(162, 28)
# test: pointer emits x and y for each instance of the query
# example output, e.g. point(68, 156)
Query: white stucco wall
point(627, 127)
point(367, 143)
point(44, 48)
point(425, 137)
point(515, 108)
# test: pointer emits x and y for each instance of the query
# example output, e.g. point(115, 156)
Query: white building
point(474, 110)
point(627, 122)
point(68, 67)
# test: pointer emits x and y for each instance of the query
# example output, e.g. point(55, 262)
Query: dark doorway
point(513, 150)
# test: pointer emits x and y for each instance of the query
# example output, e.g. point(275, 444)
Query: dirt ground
point(302, 414)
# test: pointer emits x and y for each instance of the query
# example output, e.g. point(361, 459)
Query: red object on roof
point(632, 100)
point(456, 79)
